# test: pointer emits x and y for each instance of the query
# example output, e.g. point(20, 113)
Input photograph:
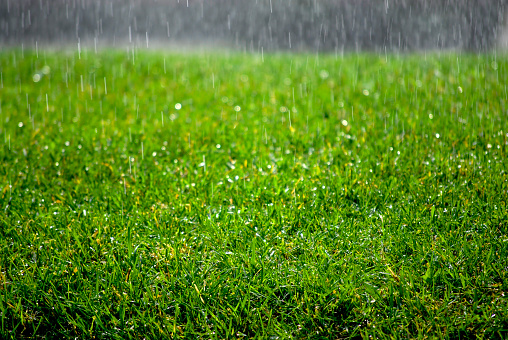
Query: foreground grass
point(152, 195)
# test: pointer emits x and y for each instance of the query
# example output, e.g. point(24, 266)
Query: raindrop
point(323, 74)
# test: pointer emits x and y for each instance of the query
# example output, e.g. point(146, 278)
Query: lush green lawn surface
point(152, 194)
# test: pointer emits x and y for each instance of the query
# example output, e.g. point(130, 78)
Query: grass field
point(223, 195)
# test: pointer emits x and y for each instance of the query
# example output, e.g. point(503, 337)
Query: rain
point(270, 169)
point(257, 26)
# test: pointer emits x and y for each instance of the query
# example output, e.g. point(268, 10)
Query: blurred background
point(256, 25)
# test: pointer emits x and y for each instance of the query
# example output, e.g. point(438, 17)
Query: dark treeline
point(322, 25)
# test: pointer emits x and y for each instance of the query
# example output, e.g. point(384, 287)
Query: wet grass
point(149, 195)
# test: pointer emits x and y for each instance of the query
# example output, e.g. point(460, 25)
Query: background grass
point(222, 195)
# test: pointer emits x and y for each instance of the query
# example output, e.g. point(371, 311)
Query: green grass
point(222, 195)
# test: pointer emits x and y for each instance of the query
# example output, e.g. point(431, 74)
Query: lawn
point(221, 195)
